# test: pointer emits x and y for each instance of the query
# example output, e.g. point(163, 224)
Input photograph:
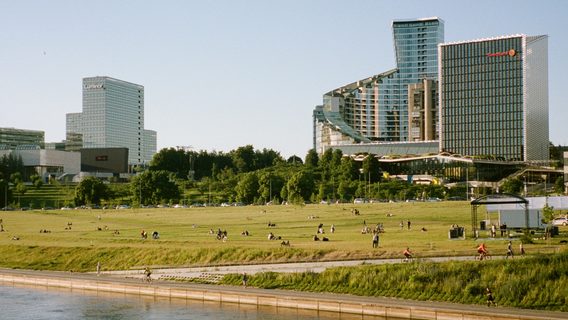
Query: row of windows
point(477, 137)
point(491, 122)
point(485, 88)
point(482, 48)
point(486, 70)
point(515, 70)
point(459, 100)
point(508, 62)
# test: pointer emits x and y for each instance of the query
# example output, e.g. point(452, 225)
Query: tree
point(270, 185)
point(90, 191)
point(244, 159)
point(155, 187)
point(5, 192)
point(247, 188)
point(348, 170)
point(312, 158)
point(300, 186)
point(267, 158)
point(10, 164)
point(513, 186)
point(294, 160)
point(36, 181)
point(345, 190)
point(559, 185)
point(547, 214)
point(171, 160)
point(371, 169)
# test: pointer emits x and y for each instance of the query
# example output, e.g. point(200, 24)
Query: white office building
point(113, 116)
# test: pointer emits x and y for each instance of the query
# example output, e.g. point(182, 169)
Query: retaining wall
point(266, 298)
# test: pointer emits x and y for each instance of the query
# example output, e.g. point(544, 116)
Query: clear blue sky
point(227, 73)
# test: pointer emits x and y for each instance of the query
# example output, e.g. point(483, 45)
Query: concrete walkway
point(386, 307)
point(215, 272)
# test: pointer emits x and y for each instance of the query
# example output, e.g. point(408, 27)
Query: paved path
point(215, 272)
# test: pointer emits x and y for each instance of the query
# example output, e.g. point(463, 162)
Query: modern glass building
point(113, 116)
point(493, 96)
point(12, 138)
point(376, 108)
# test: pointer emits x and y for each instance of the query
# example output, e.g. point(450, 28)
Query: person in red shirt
point(482, 251)
point(407, 254)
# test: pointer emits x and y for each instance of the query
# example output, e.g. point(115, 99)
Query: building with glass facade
point(376, 108)
point(112, 117)
point(493, 96)
point(423, 111)
point(12, 138)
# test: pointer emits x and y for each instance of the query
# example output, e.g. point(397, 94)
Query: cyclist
point(482, 251)
point(407, 254)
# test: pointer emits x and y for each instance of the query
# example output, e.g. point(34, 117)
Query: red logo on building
point(510, 53)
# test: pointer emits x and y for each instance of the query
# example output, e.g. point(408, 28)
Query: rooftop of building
point(417, 20)
point(107, 78)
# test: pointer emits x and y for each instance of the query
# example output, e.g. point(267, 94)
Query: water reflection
point(32, 302)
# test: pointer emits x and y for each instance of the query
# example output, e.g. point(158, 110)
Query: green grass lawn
point(185, 239)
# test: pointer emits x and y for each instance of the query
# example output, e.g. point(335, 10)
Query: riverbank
point(365, 306)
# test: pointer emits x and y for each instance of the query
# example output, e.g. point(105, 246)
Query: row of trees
point(12, 179)
point(249, 176)
point(260, 176)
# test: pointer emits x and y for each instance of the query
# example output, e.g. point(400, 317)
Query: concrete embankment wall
point(319, 302)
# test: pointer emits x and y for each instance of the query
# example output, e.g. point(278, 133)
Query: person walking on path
point(148, 274)
point(98, 268)
point(510, 250)
point(245, 279)
point(521, 249)
point(408, 223)
point(490, 298)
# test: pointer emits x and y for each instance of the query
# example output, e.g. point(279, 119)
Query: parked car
point(563, 221)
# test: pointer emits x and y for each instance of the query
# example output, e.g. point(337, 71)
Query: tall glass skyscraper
point(493, 97)
point(416, 48)
point(376, 108)
point(113, 116)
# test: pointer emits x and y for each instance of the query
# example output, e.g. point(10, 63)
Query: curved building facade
point(376, 108)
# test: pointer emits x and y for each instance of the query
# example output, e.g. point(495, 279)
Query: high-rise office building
point(113, 116)
point(493, 97)
point(376, 108)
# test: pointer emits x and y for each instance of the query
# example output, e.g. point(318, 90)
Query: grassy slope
point(539, 282)
point(185, 241)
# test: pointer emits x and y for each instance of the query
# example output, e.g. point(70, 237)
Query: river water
point(42, 303)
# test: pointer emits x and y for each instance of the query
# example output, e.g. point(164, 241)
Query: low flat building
point(47, 163)
point(104, 160)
